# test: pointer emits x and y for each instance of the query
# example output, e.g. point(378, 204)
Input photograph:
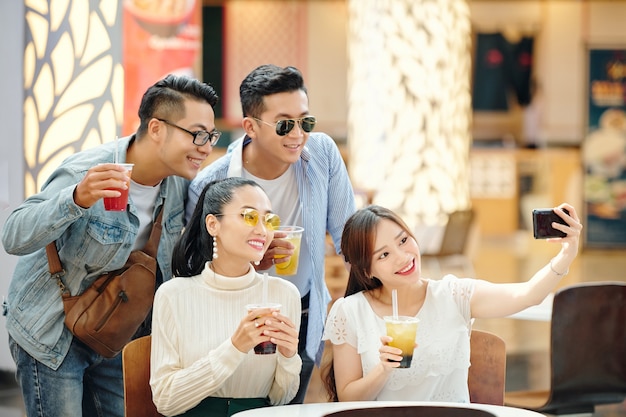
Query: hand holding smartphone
point(542, 223)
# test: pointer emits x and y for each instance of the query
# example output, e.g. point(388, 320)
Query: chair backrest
point(136, 370)
point(456, 232)
point(588, 346)
point(487, 368)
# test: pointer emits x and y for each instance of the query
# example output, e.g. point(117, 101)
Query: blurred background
point(437, 106)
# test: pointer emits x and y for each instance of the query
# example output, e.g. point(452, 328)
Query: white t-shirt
point(440, 362)
point(144, 199)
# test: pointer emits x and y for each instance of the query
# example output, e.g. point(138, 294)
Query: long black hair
point(194, 248)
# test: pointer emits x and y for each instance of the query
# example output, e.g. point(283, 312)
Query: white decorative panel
point(409, 104)
point(73, 81)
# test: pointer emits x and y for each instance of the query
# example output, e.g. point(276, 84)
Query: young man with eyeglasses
point(306, 180)
point(59, 375)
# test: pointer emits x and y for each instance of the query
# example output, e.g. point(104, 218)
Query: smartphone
point(542, 223)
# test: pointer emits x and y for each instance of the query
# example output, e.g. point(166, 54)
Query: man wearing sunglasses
point(306, 180)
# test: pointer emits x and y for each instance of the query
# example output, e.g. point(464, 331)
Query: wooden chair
point(487, 370)
point(587, 354)
point(453, 248)
point(136, 370)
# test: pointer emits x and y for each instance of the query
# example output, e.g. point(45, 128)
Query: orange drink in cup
point(294, 235)
point(403, 330)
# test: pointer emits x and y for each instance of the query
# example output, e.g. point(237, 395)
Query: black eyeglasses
point(200, 137)
point(283, 127)
point(251, 218)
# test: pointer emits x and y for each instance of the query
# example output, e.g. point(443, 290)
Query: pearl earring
point(214, 247)
point(257, 263)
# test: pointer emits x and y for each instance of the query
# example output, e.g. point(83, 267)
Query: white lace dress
point(441, 360)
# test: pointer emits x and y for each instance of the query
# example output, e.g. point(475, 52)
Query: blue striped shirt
point(326, 199)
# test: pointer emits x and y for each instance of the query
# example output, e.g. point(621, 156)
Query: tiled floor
point(10, 397)
point(499, 259)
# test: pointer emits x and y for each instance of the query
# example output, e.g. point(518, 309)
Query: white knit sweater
point(192, 353)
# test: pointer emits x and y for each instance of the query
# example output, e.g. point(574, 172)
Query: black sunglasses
point(283, 127)
point(200, 137)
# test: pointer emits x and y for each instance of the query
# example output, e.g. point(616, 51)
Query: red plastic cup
point(119, 203)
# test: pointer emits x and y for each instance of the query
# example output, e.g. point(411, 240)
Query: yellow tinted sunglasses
point(251, 218)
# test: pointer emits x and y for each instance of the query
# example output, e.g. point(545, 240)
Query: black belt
point(304, 304)
point(304, 323)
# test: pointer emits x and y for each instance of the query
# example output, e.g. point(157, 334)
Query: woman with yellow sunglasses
point(203, 362)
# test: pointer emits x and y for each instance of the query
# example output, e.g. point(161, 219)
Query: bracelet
point(557, 273)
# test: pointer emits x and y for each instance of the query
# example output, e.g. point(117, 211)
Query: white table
point(540, 312)
point(321, 409)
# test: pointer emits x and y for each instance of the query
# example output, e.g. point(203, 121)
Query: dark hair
point(166, 98)
point(194, 247)
point(357, 246)
point(266, 80)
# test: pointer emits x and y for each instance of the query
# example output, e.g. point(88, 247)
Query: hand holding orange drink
point(402, 330)
point(293, 235)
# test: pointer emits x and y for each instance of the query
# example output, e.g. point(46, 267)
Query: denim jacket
point(90, 242)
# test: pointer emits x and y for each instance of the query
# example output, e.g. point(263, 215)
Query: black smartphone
point(542, 223)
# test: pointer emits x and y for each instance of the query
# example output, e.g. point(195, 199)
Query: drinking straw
point(264, 294)
point(117, 150)
point(394, 303)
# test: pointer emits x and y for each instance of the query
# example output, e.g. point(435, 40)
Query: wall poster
point(604, 150)
point(159, 38)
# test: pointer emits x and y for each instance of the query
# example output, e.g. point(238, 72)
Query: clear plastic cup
point(119, 203)
point(264, 348)
point(403, 331)
point(294, 235)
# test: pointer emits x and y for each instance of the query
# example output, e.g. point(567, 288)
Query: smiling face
point(238, 242)
point(395, 257)
point(177, 152)
point(269, 155)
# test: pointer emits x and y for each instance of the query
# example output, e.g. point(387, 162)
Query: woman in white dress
point(384, 255)
point(203, 362)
